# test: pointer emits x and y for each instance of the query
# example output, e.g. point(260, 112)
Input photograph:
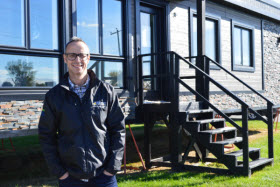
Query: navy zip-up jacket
point(82, 137)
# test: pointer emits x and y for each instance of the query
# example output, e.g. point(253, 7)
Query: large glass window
point(211, 38)
point(87, 23)
point(147, 40)
point(28, 71)
point(242, 47)
point(43, 24)
point(100, 24)
point(27, 25)
point(12, 23)
point(112, 27)
point(109, 71)
point(243, 55)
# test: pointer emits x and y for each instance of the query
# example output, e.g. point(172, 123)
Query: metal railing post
point(176, 83)
point(245, 140)
point(207, 71)
point(140, 81)
point(270, 129)
point(171, 78)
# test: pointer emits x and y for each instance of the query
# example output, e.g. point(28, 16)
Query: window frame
point(27, 31)
point(217, 20)
point(242, 68)
point(101, 56)
point(36, 52)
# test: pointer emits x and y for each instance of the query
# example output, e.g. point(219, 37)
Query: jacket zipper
point(86, 146)
point(84, 141)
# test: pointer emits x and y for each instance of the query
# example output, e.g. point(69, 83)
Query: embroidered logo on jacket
point(99, 104)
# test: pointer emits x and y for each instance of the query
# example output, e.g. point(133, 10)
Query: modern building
point(242, 36)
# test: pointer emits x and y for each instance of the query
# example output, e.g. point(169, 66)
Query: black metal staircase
point(195, 121)
point(230, 160)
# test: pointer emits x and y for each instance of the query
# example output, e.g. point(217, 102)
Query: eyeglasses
point(73, 56)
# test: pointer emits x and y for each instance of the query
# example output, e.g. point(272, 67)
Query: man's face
point(77, 66)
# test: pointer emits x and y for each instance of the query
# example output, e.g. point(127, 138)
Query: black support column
point(202, 86)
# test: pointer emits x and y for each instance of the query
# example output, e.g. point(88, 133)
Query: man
point(81, 129)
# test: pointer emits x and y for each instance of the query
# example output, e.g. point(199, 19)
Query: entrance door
point(151, 40)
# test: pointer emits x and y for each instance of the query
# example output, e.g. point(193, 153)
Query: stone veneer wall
point(272, 60)
point(16, 115)
point(271, 50)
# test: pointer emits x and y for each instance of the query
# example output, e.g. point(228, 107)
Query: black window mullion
point(27, 24)
point(74, 17)
point(100, 17)
point(241, 39)
point(102, 70)
point(251, 49)
point(217, 41)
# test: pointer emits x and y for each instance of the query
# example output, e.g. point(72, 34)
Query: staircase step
point(229, 141)
point(219, 130)
point(210, 120)
point(258, 162)
point(199, 111)
point(240, 152)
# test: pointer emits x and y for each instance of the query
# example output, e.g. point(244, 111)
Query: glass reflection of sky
point(87, 23)
point(109, 66)
point(12, 23)
point(242, 47)
point(246, 47)
point(237, 46)
point(43, 24)
point(112, 27)
point(210, 38)
point(46, 68)
point(146, 41)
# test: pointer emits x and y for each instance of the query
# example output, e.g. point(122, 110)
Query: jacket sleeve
point(48, 139)
point(116, 128)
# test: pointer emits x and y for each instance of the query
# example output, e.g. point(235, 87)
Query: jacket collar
point(93, 80)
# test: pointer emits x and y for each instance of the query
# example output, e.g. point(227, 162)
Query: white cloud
point(84, 24)
point(35, 35)
point(3, 72)
point(276, 1)
point(45, 69)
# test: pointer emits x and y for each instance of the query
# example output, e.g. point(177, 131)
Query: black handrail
point(252, 89)
point(258, 115)
point(211, 105)
point(245, 109)
point(213, 81)
point(175, 79)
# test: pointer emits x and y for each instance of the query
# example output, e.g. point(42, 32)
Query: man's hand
point(107, 173)
point(64, 176)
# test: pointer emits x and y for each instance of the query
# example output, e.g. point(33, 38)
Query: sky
point(276, 1)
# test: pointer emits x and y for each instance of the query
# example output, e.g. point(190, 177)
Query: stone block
point(33, 124)
point(23, 121)
point(22, 109)
point(10, 120)
point(5, 105)
point(30, 113)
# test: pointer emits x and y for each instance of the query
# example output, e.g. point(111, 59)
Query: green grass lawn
point(252, 125)
point(27, 167)
point(269, 176)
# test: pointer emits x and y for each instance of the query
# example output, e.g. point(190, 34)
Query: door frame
point(164, 8)
point(161, 6)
